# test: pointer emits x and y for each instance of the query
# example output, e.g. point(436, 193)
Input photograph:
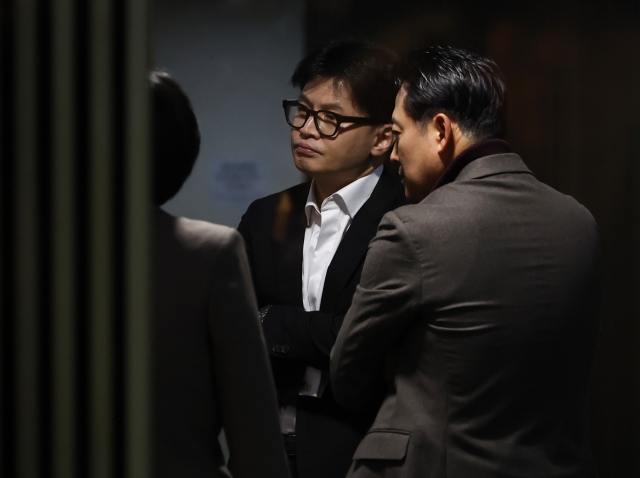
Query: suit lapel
point(288, 240)
point(354, 245)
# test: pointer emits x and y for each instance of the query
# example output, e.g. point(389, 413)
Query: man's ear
point(443, 131)
point(382, 141)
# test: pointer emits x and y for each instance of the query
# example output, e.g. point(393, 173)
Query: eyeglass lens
point(298, 115)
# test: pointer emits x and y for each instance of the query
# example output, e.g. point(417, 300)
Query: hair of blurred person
point(176, 138)
point(368, 71)
point(468, 88)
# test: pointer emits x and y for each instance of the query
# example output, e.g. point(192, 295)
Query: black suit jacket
point(273, 229)
point(485, 294)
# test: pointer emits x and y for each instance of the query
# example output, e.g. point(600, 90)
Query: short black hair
point(367, 70)
point(465, 86)
point(176, 137)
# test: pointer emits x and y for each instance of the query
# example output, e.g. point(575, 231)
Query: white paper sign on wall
point(237, 183)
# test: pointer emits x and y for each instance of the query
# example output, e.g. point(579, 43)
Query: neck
point(326, 185)
point(463, 142)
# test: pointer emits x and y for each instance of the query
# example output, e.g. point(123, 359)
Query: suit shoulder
point(197, 234)
point(436, 219)
point(569, 211)
point(568, 201)
point(410, 213)
point(297, 192)
point(189, 249)
point(468, 205)
point(405, 217)
point(261, 213)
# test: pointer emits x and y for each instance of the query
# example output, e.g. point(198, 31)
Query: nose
point(394, 152)
point(309, 128)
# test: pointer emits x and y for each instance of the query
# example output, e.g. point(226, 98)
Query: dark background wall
point(572, 71)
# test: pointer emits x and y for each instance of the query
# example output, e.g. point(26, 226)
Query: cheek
point(406, 158)
point(405, 152)
point(406, 146)
point(339, 151)
point(357, 142)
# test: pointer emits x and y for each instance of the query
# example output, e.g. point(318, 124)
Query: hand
point(263, 312)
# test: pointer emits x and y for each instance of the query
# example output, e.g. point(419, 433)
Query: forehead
point(328, 92)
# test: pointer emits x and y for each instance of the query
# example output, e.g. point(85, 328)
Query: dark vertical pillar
point(74, 196)
point(137, 225)
point(26, 273)
point(102, 204)
point(7, 133)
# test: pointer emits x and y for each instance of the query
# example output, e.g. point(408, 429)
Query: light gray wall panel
point(234, 60)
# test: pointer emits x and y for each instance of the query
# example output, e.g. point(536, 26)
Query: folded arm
point(305, 336)
point(295, 334)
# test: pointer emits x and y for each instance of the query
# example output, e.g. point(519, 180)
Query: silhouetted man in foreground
point(210, 366)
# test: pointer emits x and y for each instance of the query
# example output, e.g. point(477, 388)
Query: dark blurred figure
point(306, 245)
point(210, 364)
point(484, 294)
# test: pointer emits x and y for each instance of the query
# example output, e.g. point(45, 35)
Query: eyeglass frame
point(339, 118)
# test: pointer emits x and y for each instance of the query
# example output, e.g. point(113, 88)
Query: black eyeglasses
point(327, 122)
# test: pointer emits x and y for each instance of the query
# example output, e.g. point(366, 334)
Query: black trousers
point(290, 449)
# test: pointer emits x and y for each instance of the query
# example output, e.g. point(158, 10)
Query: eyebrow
point(335, 106)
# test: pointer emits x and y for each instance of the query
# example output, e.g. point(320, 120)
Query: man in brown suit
point(480, 298)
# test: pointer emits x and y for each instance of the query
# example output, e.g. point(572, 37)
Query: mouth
point(305, 149)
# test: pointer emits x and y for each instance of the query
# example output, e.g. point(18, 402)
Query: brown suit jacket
point(210, 363)
point(484, 298)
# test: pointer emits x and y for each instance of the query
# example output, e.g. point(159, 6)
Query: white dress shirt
point(326, 226)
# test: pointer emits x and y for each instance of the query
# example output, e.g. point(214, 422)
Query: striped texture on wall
point(74, 252)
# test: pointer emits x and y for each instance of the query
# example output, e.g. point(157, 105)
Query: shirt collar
point(351, 197)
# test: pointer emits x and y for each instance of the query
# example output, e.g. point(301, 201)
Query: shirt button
point(306, 386)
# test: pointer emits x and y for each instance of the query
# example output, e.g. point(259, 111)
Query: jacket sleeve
point(295, 334)
point(389, 294)
point(244, 387)
point(292, 333)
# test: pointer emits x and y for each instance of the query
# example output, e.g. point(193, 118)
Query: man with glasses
point(307, 244)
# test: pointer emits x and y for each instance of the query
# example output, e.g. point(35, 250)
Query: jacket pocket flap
point(383, 445)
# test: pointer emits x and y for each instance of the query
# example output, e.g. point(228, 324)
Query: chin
point(305, 166)
point(302, 166)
